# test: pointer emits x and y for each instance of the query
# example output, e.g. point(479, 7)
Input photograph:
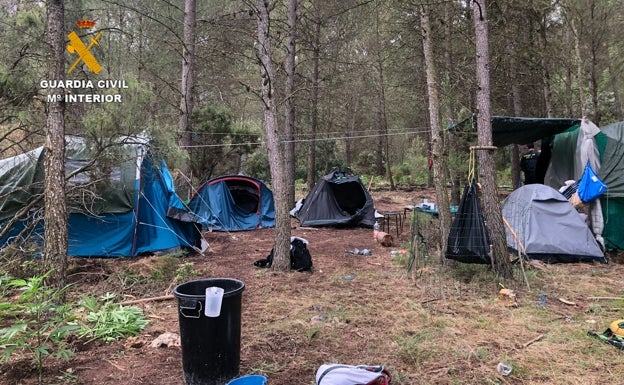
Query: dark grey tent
point(548, 226)
point(338, 199)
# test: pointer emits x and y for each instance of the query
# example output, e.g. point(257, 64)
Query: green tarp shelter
point(569, 157)
point(508, 130)
point(574, 143)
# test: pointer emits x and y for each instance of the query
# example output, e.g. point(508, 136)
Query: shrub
point(108, 321)
point(39, 324)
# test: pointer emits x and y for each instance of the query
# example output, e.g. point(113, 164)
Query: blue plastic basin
point(251, 379)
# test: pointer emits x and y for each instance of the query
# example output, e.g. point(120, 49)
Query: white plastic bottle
point(375, 229)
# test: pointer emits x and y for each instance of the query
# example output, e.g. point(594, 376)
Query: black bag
point(468, 239)
point(300, 258)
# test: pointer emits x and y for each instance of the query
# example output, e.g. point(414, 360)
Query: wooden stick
point(526, 344)
point(483, 148)
point(115, 365)
point(567, 302)
point(429, 300)
point(607, 298)
point(521, 248)
point(150, 299)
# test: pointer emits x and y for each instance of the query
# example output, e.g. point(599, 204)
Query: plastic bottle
point(375, 229)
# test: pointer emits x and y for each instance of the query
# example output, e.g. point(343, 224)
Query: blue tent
point(126, 209)
point(233, 203)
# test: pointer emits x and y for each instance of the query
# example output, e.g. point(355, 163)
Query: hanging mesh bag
point(468, 239)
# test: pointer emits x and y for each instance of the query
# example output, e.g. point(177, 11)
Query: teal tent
point(233, 203)
point(121, 202)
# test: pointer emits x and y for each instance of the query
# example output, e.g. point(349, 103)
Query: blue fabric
point(109, 235)
point(155, 230)
point(169, 188)
point(117, 235)
point(590, 186)
point(233, 203)
point(120, 234)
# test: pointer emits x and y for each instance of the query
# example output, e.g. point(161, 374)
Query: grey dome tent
point(548, 226)
point(338, 199)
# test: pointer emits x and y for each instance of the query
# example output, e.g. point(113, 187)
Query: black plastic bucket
point(210, 345)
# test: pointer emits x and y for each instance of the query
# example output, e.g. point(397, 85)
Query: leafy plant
point(184, 271)
point(39, 325)
point(108, 321)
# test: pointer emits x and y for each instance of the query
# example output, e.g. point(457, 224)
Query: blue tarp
point(233, 203)
point(155, 229)
point(144, 227)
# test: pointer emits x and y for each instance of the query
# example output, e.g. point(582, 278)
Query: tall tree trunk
point(613, 79)
point(437, 139)
point(379, 145)
point(568, 73)
point(316, 53)
point(550, 109)
point(379, 169)
point(593, 86)
point(517, 106)
point(281, 256)
point(452, 140)
point(186, 89)
point(383, 141)
point(289, 121)
point(492, 212)
point(382, 121)
point(352, 115)
point(579, 67)
point(55, 237)
point(596, 20)
point(429, 150)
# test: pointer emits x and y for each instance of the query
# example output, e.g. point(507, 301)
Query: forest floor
point(436, 325)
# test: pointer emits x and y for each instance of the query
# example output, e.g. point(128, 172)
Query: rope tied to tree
point(472, 160)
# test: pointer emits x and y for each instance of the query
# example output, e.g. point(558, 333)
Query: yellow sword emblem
point(77, 46)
